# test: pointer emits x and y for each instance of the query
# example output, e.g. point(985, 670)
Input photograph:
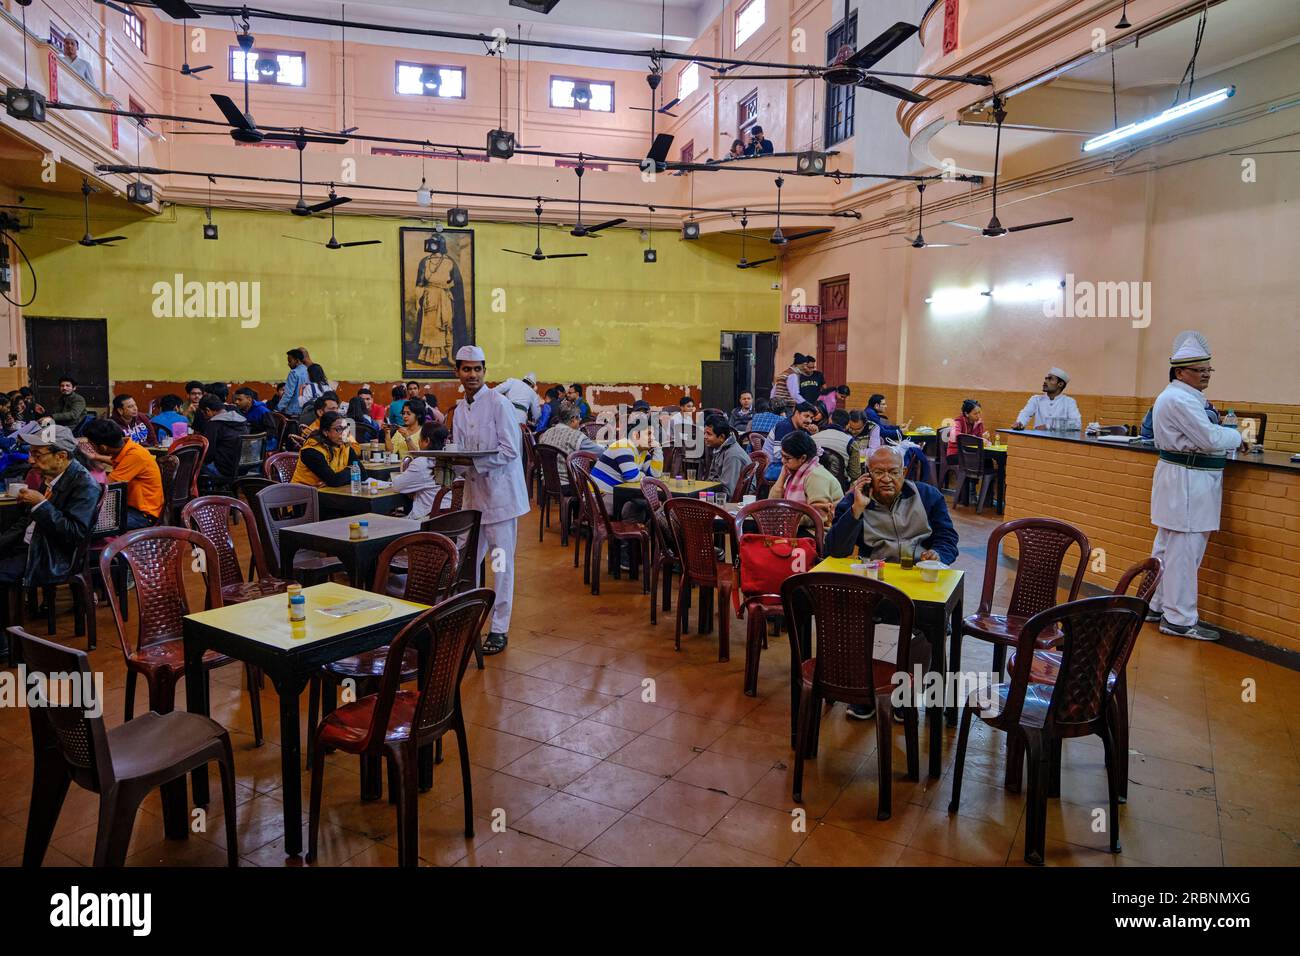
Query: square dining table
point(288, 652)
point(341, 501)
point(938, 615)
point(333, 536)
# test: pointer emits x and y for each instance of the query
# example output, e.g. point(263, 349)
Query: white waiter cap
point(470, 353)
point(1189, 348)
point(531, 378)
point(1059, 373)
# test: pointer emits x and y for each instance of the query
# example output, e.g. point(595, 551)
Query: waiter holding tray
point(1187, 490)
point(485, 421)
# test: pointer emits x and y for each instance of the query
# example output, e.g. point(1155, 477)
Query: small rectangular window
point(571, 93)
point(278, 67)
point(747, 112)
point(688, 81)
point(430, 79)
point(134, 106)
point(133, 27)
point(749, 18)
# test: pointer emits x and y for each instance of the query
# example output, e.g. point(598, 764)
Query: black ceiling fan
point(745, 263)
point(301, 208)
point(176, 9)
point(185, 68)
point(589, 231)
point(333, 242)
point(995, 229)
point(664, 109)
point(88, 239)
point(537, 255)
point(778, 237)
point(918, 241)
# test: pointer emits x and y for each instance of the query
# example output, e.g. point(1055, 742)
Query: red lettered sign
point(950, 25)
point(803, 313)
point(54, 77)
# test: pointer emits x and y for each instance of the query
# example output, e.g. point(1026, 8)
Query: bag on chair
point(767, 560)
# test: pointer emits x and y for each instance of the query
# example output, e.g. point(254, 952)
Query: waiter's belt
point(1194, 460)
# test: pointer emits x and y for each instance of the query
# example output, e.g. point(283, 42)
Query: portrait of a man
point(437, 299)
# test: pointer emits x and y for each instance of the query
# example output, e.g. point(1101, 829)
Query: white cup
point(930, 569)
point(14, 488)
point(748, 499)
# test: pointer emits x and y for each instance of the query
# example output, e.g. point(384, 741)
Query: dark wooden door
point(718, 385)
point(764, 363)
point(74, 347)
point(833, 330)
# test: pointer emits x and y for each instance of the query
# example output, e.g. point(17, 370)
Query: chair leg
point(1112, 784)
point(1054, 768)
point(317, 787)
point(466, 783)
point(960, 763)
point(1036, 802)
point(999, 660)
point(683, 609)
point(131, 676)
point(724, 621)
point(803, 728)
point(884, 759)
point(1120, 702)
point(597, 549)
point(408, 833)
point(226, 765)
point(117, 810)
point(755, 628)
point(654, 591)
point(911, 735)
point(50, 782)
point(644, 550)
point(255, 700)
point(1015, 771)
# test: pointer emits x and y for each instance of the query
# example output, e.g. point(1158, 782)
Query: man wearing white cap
point(494, 484)
point(522, 394)
point(1052, 408)
point(1188, 486)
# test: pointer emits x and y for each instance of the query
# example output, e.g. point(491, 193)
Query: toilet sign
point(542, 336)
point(803, 313)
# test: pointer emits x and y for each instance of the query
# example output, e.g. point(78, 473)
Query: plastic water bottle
point(1230, 420)
point(356, 478)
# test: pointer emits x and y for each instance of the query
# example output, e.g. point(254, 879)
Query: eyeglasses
point(1199, 369)
point(887, 473)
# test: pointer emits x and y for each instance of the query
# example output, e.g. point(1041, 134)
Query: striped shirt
point(622, 461)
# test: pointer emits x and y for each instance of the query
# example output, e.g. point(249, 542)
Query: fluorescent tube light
point(1160, 119)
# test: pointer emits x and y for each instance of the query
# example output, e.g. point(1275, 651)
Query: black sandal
point(494, 644)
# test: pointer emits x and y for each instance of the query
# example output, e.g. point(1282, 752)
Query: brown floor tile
point(712, 853)
point(516, 849)
point(685, 807)
point(761, 830)
point(729, 775)
point(636, 841)
point(593, 738)
point(615, 785)
point(568, 820)
point(552, 767)
point(655, 755)
point(831, 846)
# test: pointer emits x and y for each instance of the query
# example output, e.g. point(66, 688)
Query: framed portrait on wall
point(437, 275)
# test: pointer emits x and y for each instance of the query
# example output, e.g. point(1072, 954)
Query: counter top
point(1269, 459)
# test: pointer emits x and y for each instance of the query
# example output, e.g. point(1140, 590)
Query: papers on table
point(348, 608)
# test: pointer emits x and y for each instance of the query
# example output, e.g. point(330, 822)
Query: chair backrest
point(62, 720)
point(783, 518)
point(550, 456)
point(1150, 570)
point(580, 465)
point(293, 441)
point(853, 458)
point(744, 483)
point(190, 456)
point(168, 467)
point(189, 438)
point(451, 629)
point(756, 440)
point(461, 527)
point(675, 461)
point(842, 611)
point(918, 469)
point(1097, 638)
point(283, 506)
point(274, 426)
point(970, 454)
point(432, 565)
point(85, 420)
point(366, 432)
point(1043, 543)
point(528, 442)
point(250, 450)
point(693, 524)
point(761, 458)
point(248, 486)
point(288, 426)
point(593, 500)
point(834, 462)
point(592, 429)
point(280, 466)
point(655, 493)
point(110, 518)
point(210, 516)
point(456, 490)
point(158, 558)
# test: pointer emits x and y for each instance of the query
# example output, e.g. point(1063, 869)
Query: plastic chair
point(843, 610)
point(592, 429)
point(604, 529)
point(211, 516)
point(123, 765)
point(188, 452)
point(663, 559)
point(693, 523)
point(834, 462)
point(456, 492)
point(462, 529)
point(1097, 637)
point(532, 471)
point(552, 489)
point(283, 506)
point(280, 466)
point(83, 593)
point(973, 465)
point(756, 441)
point(580, 464)
point(395, 723)
point(744, 483)
point(251, 449)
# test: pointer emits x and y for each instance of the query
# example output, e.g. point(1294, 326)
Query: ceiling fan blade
point(772, 76)
point(889, 89)
point(361, 242)
point(233, 114)
point(329, 203)
point(944, 245)
point(101, 241)
point(660, 147)
point(159, 65)
point(518, 253)
point(758, 262)
point(605, 225)
point(294, 138)
point(1036, 225)
point(199, 69)
point(873, 52)
point(567, 255)
point(791, 237)
point(669, 105)
point(300, 239)
point(962, 225)
point(177, 9)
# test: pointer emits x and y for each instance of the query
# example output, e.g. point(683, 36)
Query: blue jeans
point(210, 469)
point(137, 519)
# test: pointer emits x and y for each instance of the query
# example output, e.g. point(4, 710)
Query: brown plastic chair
point(456, 492)
point(189, 453)
point(157, 558)
point(580, 464)
point(122, 765)
point(603, 529)
point(834, 462)
point(756, 441)
point(553, 489)
point(168, 466)
point(110, 521)
point(396, 724)
point(663, 559)
point(592, 429)
point(282, 506)
point(674, 461)
point(1097, 638)
point(1044, 544)
point(973, 465)
point(744, 483)
point(211, 517)
point(843, 610)
point(694, 523)
point(280, 466)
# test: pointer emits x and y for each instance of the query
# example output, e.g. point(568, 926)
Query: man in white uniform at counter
point(1188, 486)
point(484, 420)
point(1052, 408)
point(522, 395)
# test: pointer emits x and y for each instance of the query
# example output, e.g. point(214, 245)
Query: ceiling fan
point(537, 255)
point(918, 241)
point(88, 239)
point(589, 231)
point(176, 9)
point(745, 263)
point(300, 207)
point(333, 242)
point(664, 109)
point(995, 229)
point(851, 68)
point(185, 68)
point(778, 237)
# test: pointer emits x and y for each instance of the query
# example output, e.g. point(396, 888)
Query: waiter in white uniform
point(1052, 408)
point(522, 394)
point(1188, 486)
point(484, 420)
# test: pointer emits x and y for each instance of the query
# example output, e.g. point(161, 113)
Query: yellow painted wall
point(620, 319)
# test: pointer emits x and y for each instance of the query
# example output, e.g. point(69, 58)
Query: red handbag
point(767, 560)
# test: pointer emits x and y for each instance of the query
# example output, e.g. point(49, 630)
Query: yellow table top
point(346, 492)
point(266, 620)
point(916, 434)
point(380, 526)
point(995, 447)
point(381, 465)
point(909, 582)
point(686, 484)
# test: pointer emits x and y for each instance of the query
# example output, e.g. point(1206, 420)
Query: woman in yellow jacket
point(406, 437)
point(326, 458)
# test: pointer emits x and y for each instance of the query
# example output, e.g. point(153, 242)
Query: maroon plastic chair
point(1097, 638)
point(553, 490)
point(843, 610)
point(283, 505)
point(280, 466)
point(1043, 544)
point(211, 517)
point(694, 526)
point(604, 529)
point(395, 724)
point(663, 557)
point(157, 558)
point(189, 453)
point(744, 483)
point(456, 492)
point(532, 471)
point(580, 464)
point(974, 466)
point(123, 765)
point(756, 441)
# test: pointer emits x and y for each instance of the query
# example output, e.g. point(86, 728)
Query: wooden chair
point(123, 765)
point(283, 506)
point(157, 557)
point(694, 523)
point(280, 466)
point(1097, 637)
point(604, 529)
point(211, 516)
point(395, 723)
point(843, 609)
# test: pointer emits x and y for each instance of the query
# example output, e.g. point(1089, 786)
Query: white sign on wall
point(542, 336)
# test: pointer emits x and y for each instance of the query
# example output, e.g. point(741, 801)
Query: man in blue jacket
point(884, 515)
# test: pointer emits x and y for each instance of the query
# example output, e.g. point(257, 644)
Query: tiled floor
point(571, 767)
